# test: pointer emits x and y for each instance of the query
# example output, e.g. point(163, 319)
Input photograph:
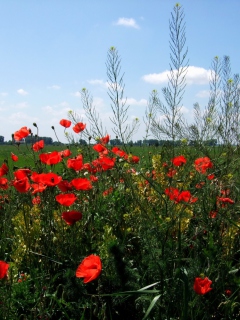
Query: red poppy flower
point(3, 169)
point(89, 167)
point(49, 179)
point(75, 163)
point(36, 200)
point(228, 292)
point(187, 197)
point(171, 172)
point(179, 161)
point(65, 153)
point(202, 286)
point(38, 145)
point(22, 185)
point(133, 159)
point(202, 164)
point(3, 183)
point(38, 187)
point(177, 196)
point(213, 214)
point(89, 269)
point(14, 157)
point(79, 127)
point(93, 178)
point(21, 173)
point(173, 194)
point(65, 186)
point(225, 192)
point(104, 163)
point(107, 192)
point(211, 176)
point(81, 184)
point(200, 185)
point(99, 148)
point(65, 123)
point(70, 217)
point(66, 199)
point(3, 269)
point(120, 152)
point(225, 200)
point(105, 139)
point(50, 158)
point(22, 133)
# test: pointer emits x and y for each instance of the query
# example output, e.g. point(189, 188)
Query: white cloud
point(21, 105)
point(22, 92)
point(203, 94)
point(98, 102)
point(195, 75)
point(101, 83)
point(55, 87)
point(132, 101)
point(21, 118)
point(184, 110)
point(77, 94)
point(64, 104)
point(127, 22)
point(97, 82)
point(56, 112)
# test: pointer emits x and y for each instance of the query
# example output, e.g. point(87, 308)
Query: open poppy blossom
point(100, 148)
point(3, 269)
point(104, 163)
point(79, 127)
point(3, 183)
point(180, 196)
point(179, 161)
point(65, 186)
point(186, 196)
point(14, 157)
point(120, 152)
point(202, 164)
point(3, 169)
point(75, 163)
point(65, 153)
point(22, 133)
point(89, 269)
point(65, 123)
point(70, 217)
point(133, 159)
point(38, 187)
point(49, 179)
point(224, 201)
point(202, 286)
point(50, 158)
point(66, 199)
point(21, 173)
point(81, 184)
point(38, 145)
point(105, 139)
point(22, 185)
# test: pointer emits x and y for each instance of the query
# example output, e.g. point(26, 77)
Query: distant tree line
point(47, 140)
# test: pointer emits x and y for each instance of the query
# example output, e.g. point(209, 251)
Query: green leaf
point(152, 304)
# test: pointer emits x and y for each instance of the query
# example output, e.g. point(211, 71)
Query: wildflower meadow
point(96, 231)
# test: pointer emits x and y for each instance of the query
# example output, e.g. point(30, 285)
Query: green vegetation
point(96, 231)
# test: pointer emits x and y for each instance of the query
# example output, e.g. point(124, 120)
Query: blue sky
point(51, 49)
